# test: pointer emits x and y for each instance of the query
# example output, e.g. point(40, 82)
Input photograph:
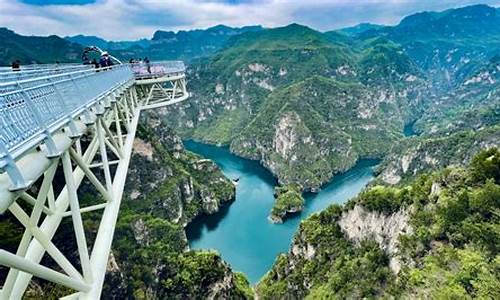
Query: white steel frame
point(108, 126)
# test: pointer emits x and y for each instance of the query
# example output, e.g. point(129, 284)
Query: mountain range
point(421, 96)
point(309, 104)
point(164, 45)
point(429, 71)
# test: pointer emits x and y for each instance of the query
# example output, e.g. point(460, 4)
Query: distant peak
point(220, 27)
point(471, 11)
point(296, 26)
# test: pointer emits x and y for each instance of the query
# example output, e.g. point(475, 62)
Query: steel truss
point(103, 143)
point(163, 91)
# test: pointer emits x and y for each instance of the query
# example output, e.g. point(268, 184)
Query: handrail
point(40, 66)
point(157, 69)
point(32, 109)
point(10, 75)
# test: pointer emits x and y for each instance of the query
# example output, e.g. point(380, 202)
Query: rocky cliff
point(434, 237)
point(423, 154)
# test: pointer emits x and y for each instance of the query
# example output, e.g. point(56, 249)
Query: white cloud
point(131, 19)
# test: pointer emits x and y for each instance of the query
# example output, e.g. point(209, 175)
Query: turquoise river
point(241, 232)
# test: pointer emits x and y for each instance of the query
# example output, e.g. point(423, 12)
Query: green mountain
point(433, 238)
point(303, 104)
point(36, 49)
point(308, 105)
point(449, 45)
point(473, 104)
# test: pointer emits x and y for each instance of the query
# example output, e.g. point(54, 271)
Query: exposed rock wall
point(360, 224)
point(421, 154)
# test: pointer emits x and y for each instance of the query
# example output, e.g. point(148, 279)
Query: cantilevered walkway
point(61, 126)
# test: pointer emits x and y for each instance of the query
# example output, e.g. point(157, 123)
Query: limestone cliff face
point(164, 173)
point(421, 154)
point(287, 137)
point(360, 224)
point(310, 131)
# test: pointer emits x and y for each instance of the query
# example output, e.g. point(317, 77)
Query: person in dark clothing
point(16, 65)
point(95, 63)
point(105, 60)
point(85, 59)
point(148, 66)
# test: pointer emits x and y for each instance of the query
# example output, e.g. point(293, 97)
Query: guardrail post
point(9, 165)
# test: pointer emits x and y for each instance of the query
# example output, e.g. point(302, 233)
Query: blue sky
point(133, 19)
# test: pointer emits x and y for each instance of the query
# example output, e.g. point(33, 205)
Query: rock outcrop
point(360, 225)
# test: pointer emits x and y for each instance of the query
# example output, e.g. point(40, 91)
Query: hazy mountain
point(190, 44)
point(86, 40)
point(185, 45)
point(36, 49)
point(449, 45)
point(360, 28)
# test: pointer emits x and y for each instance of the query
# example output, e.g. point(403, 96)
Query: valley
point(354, 163)
point(241, 232)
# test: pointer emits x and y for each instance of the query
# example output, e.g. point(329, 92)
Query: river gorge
point(241, 232)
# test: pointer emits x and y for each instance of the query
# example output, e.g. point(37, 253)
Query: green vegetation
point(288, 200)
point(421, 154)
point(150, 245)
point(309, 105)
point(306, 104)
point(36, 49)
point(451, 252)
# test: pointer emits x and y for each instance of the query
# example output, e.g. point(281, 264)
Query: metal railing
point(8, 75)
point(40, 66)
point(157, 69)
point(30, 110)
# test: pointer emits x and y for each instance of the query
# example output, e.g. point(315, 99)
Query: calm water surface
point(241, 232)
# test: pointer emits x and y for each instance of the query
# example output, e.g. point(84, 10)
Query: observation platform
point(55, 119)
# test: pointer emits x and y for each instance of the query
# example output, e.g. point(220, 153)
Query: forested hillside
point(422, 97)
point(308, 105)
point(36, 49)
point(436, 237)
